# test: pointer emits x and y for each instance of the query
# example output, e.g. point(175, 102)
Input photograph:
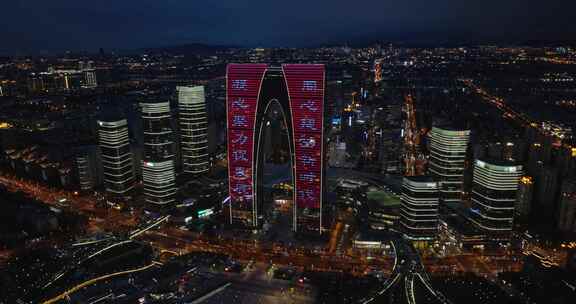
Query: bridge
point(97, 248)
point(77, 287)
point(149, 226)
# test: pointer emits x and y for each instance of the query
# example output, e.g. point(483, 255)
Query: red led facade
point(306, 92)
point(304, 84)
point(243, 86)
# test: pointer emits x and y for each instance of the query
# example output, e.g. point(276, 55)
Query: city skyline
point(366, 152)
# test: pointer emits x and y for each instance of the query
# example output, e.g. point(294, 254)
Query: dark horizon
point(36, 27)
point(193, 47)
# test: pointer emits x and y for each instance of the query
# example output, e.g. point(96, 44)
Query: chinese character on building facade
point(239, 121)
point(239, 103)
point(239, 84)
point(309, 85)
point(309, 105)
point(308, 177)
point(308, 124)
point(240, 155)
point(240, 139)
point(307, 142)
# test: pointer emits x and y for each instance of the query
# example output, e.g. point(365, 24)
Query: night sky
point(36, 26)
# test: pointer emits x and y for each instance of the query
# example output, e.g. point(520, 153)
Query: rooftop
point(499, 165)
point(451, 129)
point(384, 199)
point(420, 179)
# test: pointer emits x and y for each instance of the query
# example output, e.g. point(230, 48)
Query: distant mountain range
point(186, 49)
point(206, 49)
point(412, 40)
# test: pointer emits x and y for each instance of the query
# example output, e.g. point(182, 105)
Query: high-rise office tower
point(158, 173)
point(116, 157)
point(193, 124)
point(495, 184)
point(566, 161)
point(419, 211)
point(495, 150)
point(523, 205)
point(87, 160)
point(521, 151)
point(567, 210)
point(547, 185)
point(447, 160)
point(85, 173)
point(90, 79)
point(252, 91)
point(534, 158)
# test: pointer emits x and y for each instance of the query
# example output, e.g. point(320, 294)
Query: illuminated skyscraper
point(85, 175)
point(495, 184)
point(158, 172)
point(298, 90)
point(116, 157)
point(447, 161)
point(419, 212)
point(88, 164)
point(89, 79)
point(193, 124)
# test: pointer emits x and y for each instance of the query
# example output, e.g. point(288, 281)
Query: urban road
point(520, 118)
point(168, 238)
point(407, 270)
